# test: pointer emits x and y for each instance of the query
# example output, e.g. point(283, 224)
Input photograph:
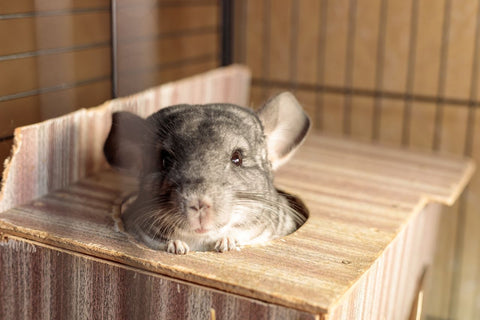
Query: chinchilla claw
point(225, 244)
point(177, 247)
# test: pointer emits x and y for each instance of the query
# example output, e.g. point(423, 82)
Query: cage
point(390, 73)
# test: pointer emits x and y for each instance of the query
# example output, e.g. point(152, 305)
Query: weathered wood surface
point(389, 288)
point(42, 282)
point(364, 202)
point(55, 153)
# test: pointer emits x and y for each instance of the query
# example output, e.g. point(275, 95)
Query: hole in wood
point(294, 203)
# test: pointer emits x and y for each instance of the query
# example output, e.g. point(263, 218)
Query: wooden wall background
point(57, 56)
point(397, 72)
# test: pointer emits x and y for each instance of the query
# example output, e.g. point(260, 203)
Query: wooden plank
point(470, 276)
point(148, 54)
point(422, 125)
point(280, 39)
point(336, 41)
point(37, 284)
point(143, 21)
point(164, 3)
point(439, 295)
point(256, 97)
point(463, 20)
point(32, 73)
point(48, 32)
point(308, 29)
point(345, 235)
point(255, 35)
point(23, 111)
point(391, 122)
point(397, 45)
point(28, 6)
point(428, 45)
point(458, 273)
point(362, 116)
point(239, 37)
point(365, 44)
point(453, 130)
point(333, 113)
point(388, 289)
point(469, 279)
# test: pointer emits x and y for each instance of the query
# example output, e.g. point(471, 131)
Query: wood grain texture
point(71, 147)
point(137, 81)
point(57, 69)
point(36, 284)
point(307, 33)
point(280, 34)
point(57, 31)
point(138, 22)
point(428, 46)
point(336, 42)
point(257, 31)
point(364, 49)
point(363, 199)
point(28, 6)
point(388, 290)
point(153, 48)
point(23, 111)
point(397, 36)
point(461, 42)
point(142, 56)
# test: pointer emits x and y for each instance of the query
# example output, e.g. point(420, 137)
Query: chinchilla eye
point(166, 158)
point(237, 158)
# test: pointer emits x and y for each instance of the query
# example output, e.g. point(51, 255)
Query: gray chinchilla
point(206, 173)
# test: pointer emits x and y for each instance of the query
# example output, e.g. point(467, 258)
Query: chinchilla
point(206, 173)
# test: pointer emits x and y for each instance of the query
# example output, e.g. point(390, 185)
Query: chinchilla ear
point(285, 125)
point(123, 147)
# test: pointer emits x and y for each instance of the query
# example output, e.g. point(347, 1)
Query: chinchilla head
point(199, 166)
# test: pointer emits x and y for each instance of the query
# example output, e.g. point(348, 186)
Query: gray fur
point(192, 196)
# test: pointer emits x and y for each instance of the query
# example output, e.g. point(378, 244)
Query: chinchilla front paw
point(177, 247)
point(226, 244)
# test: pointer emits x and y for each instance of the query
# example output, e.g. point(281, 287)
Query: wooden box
point(362, 253)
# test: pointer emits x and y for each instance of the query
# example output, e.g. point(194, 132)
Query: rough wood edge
point(468, 174)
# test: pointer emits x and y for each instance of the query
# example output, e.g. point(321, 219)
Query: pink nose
point(199, 205)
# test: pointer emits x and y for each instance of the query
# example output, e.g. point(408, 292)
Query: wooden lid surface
point(360, 197)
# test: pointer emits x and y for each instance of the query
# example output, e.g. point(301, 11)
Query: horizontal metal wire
point(52, 13)
point(166, 3)
point(59, 87)
point(173, 64)
point(172, 34)
point(167, 35)
point(6, 138)
point(365, 92)
point(169, 3)
point(168, 65)
point(54, 51)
